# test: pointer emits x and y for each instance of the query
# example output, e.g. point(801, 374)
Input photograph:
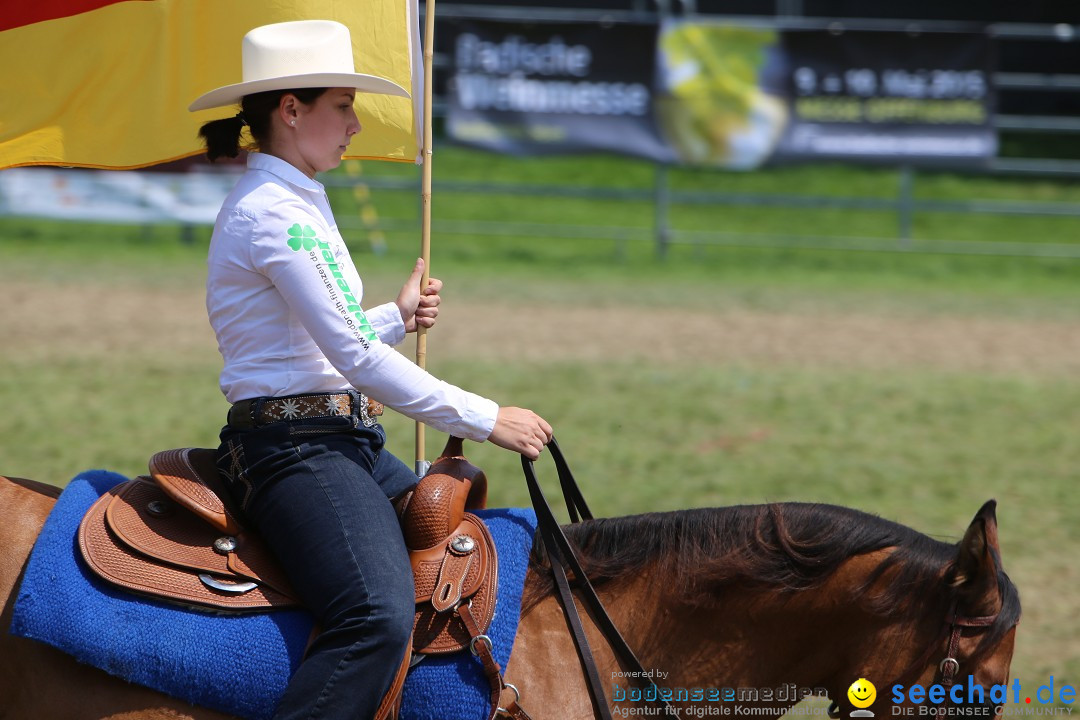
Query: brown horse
point(772, 602)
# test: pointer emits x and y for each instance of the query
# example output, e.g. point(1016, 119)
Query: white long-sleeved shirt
point(283, 297)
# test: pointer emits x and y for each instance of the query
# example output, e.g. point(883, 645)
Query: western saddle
point(173, 537)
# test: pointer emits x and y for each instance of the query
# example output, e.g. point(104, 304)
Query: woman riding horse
point(302, 450)
point(755, 597)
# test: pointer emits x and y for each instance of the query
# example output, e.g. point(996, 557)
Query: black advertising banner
point(538, 88)
point(724, 95)
point(896, 96)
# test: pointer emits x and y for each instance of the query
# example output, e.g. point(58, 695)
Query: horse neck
point(818, 639)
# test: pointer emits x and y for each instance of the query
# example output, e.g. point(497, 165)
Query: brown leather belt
point(257, 412)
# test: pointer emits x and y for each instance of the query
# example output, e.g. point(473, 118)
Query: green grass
point(924, 445)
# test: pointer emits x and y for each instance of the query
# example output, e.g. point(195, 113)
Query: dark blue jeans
point(319, 493)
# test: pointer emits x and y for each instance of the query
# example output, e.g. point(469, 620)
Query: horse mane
point(787, 547)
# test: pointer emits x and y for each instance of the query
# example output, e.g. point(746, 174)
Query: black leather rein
point(562, 557)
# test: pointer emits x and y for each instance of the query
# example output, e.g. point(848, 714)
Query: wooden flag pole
point(422, 465)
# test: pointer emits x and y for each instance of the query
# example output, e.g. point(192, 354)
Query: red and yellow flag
point(106, 83)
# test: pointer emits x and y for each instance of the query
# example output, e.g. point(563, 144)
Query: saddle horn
point(437, 506)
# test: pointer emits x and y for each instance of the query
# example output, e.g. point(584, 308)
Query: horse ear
point(975, 569)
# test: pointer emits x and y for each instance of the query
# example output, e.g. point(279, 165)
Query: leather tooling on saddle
point(172, 536)
point(236, 663)
point(451, 552)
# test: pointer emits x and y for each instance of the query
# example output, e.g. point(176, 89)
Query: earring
point(293, 123)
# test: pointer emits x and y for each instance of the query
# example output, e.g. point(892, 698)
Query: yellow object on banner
point(106, 83)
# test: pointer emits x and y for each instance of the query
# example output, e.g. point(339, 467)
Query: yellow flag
point(106, 83)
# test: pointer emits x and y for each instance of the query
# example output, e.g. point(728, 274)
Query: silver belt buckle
point(362, 411)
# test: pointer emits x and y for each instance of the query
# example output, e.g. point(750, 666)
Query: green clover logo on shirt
point(301, 237)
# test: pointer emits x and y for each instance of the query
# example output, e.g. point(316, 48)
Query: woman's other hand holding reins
point(521, 431)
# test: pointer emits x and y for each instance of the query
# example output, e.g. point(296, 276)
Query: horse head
point(950, 654)
point(760, 606)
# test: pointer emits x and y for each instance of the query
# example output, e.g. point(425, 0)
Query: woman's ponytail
point(222, 137)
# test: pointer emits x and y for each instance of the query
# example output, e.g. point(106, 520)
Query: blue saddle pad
point(239, 665)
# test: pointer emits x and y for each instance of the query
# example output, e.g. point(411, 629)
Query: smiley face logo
point(862, 693)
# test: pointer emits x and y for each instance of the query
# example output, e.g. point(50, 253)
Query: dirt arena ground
point(96, 319)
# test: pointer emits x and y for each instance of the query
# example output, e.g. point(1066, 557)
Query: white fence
point(190, 198)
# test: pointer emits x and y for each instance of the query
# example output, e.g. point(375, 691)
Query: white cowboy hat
point(299, 54)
